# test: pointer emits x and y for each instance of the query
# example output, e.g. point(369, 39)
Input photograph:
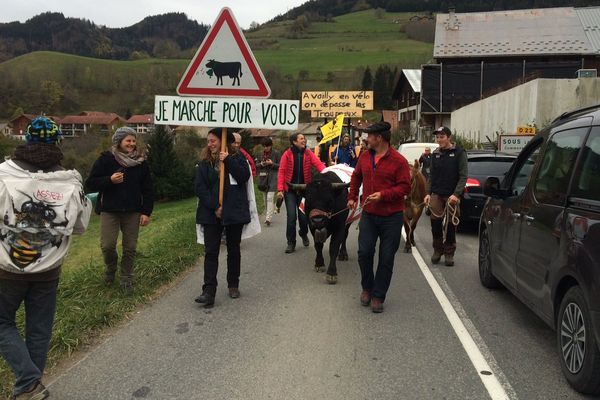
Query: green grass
point(85, 306)
point(365, 40)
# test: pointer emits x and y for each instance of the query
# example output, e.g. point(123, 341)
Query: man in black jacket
point(449, 171)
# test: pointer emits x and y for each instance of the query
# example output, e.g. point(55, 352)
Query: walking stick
point(222, 170)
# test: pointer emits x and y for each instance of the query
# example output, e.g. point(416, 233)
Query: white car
point(413, 151)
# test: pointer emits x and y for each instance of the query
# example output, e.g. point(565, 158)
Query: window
point(557, 166)
point(524, 172)
point(587, 183)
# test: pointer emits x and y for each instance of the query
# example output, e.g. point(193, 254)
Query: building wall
point(537, 102)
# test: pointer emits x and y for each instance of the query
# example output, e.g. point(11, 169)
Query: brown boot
point(449, 260)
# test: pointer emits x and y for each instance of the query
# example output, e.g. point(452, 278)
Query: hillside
point(325, 9)
point(164, 36)
point(325, 55)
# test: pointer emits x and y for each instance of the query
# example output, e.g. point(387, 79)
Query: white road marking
point(487, 375)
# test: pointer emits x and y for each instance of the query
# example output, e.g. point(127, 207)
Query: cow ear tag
point(224, 65)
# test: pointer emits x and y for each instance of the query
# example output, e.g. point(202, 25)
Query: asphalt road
point(292, 336)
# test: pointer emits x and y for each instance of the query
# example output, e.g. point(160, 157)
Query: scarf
point(128, 159)
point(41, 155)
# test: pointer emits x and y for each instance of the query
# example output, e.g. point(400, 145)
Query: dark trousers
point(292, 201)
point(387, 230)
point(212, 244)
point(27, 358)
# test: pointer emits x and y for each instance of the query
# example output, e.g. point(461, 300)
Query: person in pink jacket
point(295, 167)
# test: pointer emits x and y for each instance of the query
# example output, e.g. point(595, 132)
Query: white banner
point(226, 112)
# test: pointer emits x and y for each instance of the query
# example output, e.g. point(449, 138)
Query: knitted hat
point(121, 133)
point(43, 130)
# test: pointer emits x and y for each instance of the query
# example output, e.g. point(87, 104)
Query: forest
point(171, 35)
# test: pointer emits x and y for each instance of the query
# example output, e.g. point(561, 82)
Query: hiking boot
point(365, 298)
point(290, 247)
point(449, 260)
point(37, 391)
point(436, 257)
point(376, 305)
point(305, 240)
point(234, 293)
point(205, 298)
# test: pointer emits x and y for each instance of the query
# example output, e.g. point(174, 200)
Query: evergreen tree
point(382, 90)
point(367, 80)
point(171, 180)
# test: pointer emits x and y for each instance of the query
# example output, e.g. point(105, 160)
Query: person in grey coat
point(267, 165)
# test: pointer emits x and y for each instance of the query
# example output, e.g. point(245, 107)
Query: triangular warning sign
point(224, 65)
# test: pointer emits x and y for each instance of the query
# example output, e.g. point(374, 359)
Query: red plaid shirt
point(390, 176)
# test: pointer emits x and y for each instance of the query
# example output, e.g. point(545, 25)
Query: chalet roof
point(532, 32)
point(590, 20)
point(92, 119)
point(31, 117)
point(413, 76)
point(141, 119)
point(27, 116)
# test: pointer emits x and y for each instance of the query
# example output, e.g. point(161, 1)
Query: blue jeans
point(388, 230)
point(292, 201)
point(27, 358)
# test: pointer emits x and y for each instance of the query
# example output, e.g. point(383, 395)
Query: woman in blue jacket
point(213, 218)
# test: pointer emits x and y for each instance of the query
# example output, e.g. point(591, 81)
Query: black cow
point(231, 69)
point(325, 206)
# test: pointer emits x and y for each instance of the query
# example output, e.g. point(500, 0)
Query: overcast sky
point(120, 13)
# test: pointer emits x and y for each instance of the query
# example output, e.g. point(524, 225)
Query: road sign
point(230, 112)
point(513, 143)
point(224, 65)
point(526, 130)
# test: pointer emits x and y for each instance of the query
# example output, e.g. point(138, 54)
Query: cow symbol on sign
point(220, 69)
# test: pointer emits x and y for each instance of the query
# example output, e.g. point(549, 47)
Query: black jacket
point(449, 170)
point(236, 209)
point(135, 193)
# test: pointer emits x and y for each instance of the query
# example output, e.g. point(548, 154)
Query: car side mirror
point(491, 187)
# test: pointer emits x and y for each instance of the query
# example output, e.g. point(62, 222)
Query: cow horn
point(337, 185)
point(297, 186)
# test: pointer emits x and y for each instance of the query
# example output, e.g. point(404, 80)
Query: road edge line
point(495, 389)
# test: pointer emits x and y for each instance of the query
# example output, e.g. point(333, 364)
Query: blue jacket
point(236, 209)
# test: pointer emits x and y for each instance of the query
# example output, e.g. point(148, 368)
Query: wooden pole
point(222, 166)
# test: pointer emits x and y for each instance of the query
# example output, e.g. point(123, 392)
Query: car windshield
point(490, 166)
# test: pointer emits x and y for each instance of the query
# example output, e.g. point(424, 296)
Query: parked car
point(539, 236)
point(413, 151)
point(482, 165)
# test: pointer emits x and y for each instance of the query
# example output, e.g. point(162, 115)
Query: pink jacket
point(286, 168)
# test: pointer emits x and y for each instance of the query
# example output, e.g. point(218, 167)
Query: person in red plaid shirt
point(385, 177)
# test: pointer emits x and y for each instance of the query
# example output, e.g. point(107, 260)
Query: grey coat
point(272, 170)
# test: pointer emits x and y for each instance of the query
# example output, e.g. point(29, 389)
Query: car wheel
point(579, 353)
point(485, 262)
